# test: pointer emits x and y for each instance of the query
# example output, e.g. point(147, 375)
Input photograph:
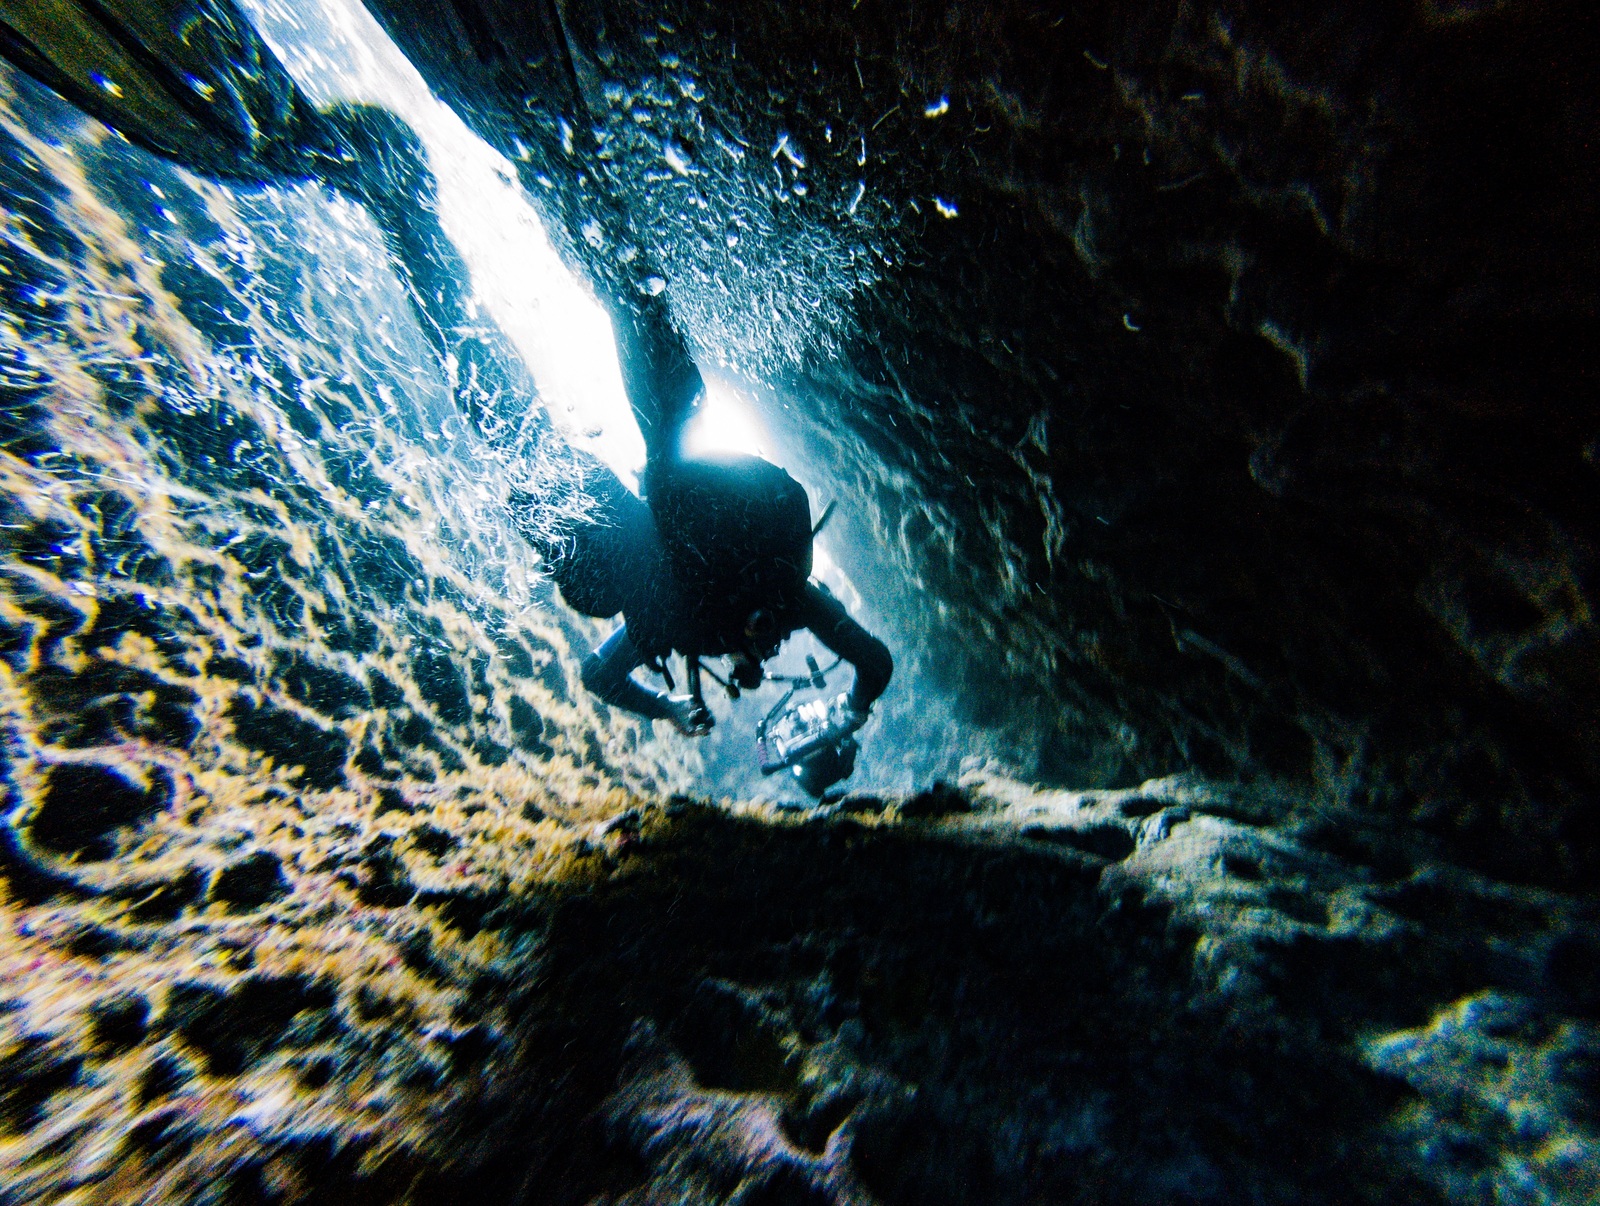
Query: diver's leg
point(663, 383)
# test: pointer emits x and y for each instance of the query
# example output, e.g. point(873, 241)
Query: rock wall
point(267, 668)
point(1206, 388)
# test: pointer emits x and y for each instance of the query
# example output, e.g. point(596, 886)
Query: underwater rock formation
point(1207, 389)
point(1143, 995)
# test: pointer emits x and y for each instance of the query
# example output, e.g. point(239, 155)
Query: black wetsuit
point(608, 670)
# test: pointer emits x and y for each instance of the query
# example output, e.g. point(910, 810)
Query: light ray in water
point(336, 51)
point(726, 422)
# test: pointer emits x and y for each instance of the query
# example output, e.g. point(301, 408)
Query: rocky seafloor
point(984, 993)
point(1207, 391)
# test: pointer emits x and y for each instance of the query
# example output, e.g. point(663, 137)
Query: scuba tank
point(736, 537)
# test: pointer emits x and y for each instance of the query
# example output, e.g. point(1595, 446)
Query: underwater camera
point(812, 738)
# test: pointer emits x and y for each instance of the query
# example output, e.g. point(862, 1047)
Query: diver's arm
point(831, 624)
point(608, 672)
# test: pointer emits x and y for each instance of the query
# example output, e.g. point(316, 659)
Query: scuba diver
point(714, 561)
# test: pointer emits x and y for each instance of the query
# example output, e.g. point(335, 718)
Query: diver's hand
point(845, 718)
point(689, 718)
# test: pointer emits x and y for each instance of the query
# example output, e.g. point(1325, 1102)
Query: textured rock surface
point(1003, 1003)
point(1207, 386)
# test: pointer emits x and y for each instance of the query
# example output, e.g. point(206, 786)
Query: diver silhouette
point(714, 560)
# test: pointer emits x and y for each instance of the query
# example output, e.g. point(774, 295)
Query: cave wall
point(1209, 381)
point(286, 710)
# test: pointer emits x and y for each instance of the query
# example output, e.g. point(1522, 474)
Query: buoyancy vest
point(720, 538)
point(611, 561)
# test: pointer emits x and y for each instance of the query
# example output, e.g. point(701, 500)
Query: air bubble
point(787, 147)
point(678, 159)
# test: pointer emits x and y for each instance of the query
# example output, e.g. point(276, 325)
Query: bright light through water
point(725, 422)
point(336, 51)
